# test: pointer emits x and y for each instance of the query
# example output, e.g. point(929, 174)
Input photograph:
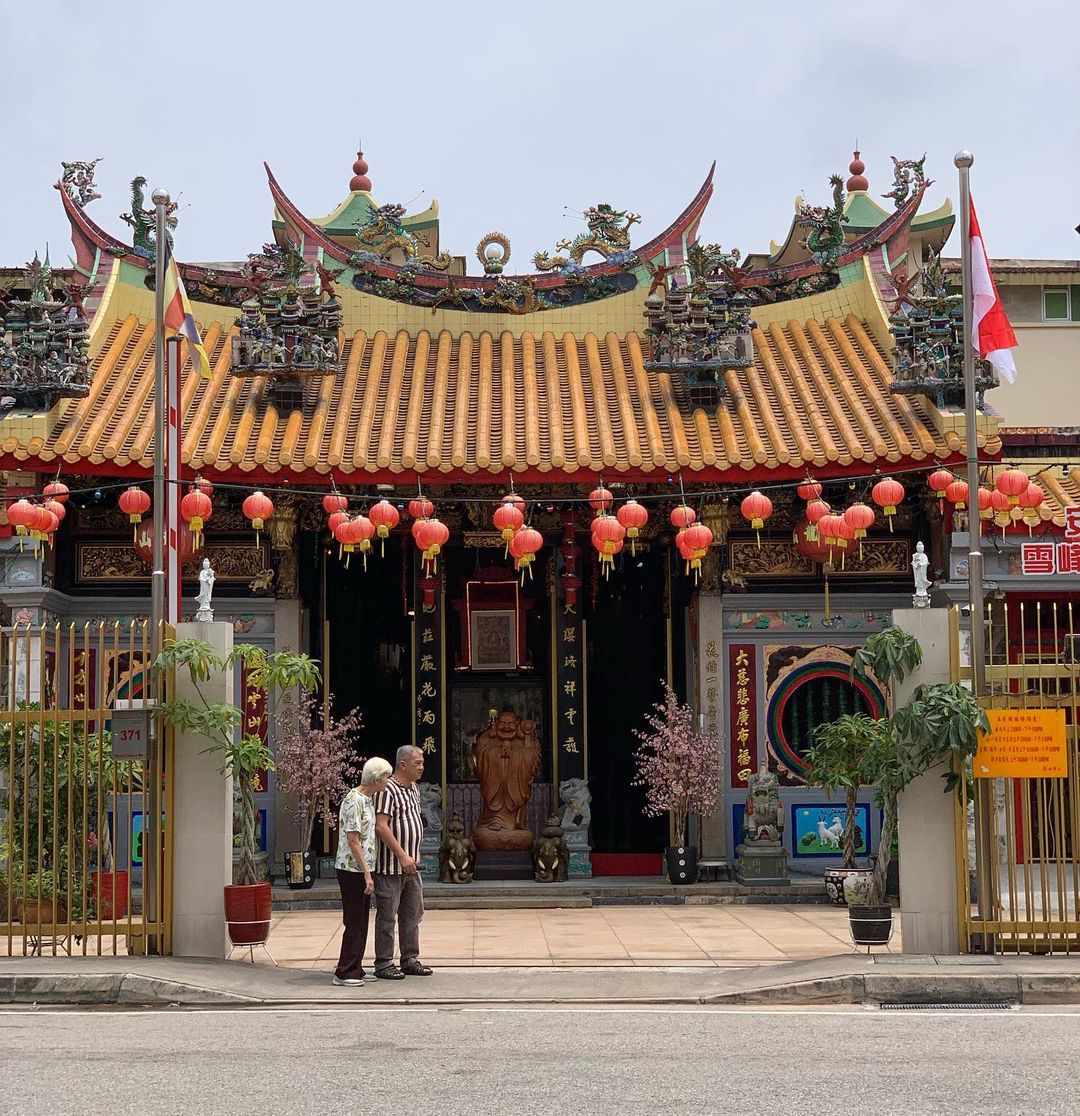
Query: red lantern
point(809, 490)
point(1013, 483)
point(939, 480)
point(421, 508)
point(607, 537)
point(49, 523)
point(1001, 506)
point(697, 538)
point(860, 517)
point(508, 519)
point(144, 543)
point(57, 509)
point(1029, 501)
point(334, 502)
point(431, 535)
point(20, 514)
point(196, 509)
point(348, 533)
point(515, 500)
point(633, 517)
point(385, 517)
point(367, 532)
point(682, 517)
point(135, 503)
point(600, 500)
point(957, 494)
point(845, 533)
point(816, 510)
point(524, 547)
point(757, 507)
point(887, 494)
point(335, 519)
point(986, 504)
point(809, 546)
point(57, 490)
point(258, 508)
point(829, 531)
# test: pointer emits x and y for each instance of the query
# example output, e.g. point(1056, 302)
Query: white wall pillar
point(927, 826)
point(287, 637)
point(202, 816)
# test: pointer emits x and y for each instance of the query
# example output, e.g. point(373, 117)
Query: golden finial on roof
point(360, 180)
point(857, 181)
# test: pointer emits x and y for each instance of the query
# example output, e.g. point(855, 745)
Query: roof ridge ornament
point(360, 181)
point(857, 181)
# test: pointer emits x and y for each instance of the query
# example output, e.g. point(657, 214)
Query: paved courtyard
point(706, 935)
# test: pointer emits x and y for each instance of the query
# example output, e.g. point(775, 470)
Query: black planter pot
point(681, 864)
point(870, 925)
point(300, 870)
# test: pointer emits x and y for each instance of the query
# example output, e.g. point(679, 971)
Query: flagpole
point(157, 575)
point(984, 863)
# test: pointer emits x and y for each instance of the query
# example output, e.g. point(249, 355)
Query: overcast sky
point(507, 112)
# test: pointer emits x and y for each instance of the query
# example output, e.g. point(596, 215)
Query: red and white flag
point(993, 334)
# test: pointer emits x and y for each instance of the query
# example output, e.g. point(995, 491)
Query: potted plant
point(939, 725)
point(108, 887)
point(678, 764)
point(316, 766)
point(38, 899)
point(842, 756)
point(247, 901)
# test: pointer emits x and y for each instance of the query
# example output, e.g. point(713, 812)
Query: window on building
point(1056, 306)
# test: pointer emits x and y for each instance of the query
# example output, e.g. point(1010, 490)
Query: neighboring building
point(378, 367)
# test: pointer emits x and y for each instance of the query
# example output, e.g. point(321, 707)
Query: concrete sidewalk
point(836, 980)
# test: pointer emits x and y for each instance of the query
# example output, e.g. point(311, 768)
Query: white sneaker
point(351, 982)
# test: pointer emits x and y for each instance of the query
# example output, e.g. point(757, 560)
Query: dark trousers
point(355, 906)
point(399, 903)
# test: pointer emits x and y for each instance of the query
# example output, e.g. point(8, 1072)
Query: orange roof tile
point(816, 396)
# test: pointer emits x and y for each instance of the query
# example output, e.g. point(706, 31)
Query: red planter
point(110, 892)
point(247, 911)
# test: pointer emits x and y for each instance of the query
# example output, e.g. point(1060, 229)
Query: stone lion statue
point(431, 807)
point(457, 854)
point(763, 819)
point(576, 799)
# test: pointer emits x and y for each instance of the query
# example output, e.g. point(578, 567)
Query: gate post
point(202, 825)
point(927, 818)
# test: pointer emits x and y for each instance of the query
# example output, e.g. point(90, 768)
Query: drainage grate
point(990, 1005)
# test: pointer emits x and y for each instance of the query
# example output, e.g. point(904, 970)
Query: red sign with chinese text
point(742, 690)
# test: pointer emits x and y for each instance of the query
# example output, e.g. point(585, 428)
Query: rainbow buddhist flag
point(178, 316)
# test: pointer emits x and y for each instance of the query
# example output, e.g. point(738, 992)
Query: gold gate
point(82, 769)
point(1021, 836)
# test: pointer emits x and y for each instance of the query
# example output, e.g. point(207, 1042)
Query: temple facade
point(356, 356)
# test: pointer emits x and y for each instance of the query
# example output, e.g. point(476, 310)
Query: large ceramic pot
point(870, 925)
point(300, 869)
point(40, 912)
point(681, 864)
point(247, 911)
point(110, 892)
point(834, 882)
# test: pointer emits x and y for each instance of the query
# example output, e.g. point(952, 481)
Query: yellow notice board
point(1023, 744)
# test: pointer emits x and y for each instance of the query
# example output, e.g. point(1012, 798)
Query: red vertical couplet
point(742, 690)
point(173, 568)
point(256, 721)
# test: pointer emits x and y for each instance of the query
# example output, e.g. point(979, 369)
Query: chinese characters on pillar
point(1054, 557)
point(427, 669)
point(569, 676)
point(255, 723)
point(742, 686)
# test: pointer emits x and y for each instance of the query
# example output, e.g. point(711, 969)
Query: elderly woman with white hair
point(355, 860)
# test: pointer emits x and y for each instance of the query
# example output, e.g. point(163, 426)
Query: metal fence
point(82, 769)
point(1023, 894)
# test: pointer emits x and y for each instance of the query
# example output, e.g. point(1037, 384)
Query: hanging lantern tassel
point(633, 517)
point(258, 508)
point(757, 507)
point(887, 494)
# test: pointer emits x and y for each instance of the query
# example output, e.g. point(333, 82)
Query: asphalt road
point(540, 1062)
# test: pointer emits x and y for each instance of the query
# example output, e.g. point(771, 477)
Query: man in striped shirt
point(399, 894)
